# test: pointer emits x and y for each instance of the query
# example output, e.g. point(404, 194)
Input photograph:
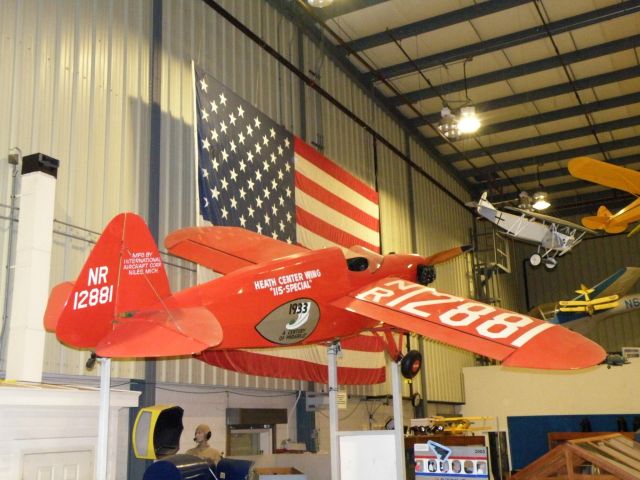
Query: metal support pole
point(103, 421)
point(398, 420)
point(332, 364)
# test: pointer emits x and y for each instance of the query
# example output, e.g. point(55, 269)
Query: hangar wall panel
point(75, 87)
point(589, 262)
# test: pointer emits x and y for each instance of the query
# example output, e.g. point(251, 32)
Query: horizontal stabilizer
point(57, 300)
point(162, 333)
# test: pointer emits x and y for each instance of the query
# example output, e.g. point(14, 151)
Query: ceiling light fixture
point(540, 201)
point(319, 3)
point(468, 121)
point(448, 125)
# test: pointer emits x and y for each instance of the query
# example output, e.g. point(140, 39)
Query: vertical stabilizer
point(124, 273)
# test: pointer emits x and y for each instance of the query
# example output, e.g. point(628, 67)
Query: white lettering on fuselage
point(289, 283)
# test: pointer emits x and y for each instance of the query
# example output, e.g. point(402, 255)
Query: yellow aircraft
point(586, 304)
point(612, 176)
point(451, 425)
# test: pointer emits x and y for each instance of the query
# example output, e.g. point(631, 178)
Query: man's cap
point(203, 427)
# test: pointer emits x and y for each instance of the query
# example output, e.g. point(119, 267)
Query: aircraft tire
point(550, 263)
point(535, 259)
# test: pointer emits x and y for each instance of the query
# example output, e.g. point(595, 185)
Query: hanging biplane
point(553, 236)
point(612, 176)
point(274, 294)
point(608, 298)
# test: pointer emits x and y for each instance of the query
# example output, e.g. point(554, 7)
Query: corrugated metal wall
point(75, 87)
point(79, 91)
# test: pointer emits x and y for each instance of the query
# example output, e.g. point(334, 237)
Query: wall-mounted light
point(319, 3)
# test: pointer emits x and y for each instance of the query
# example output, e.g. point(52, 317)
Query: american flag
point(255, 174)
point(245, 164)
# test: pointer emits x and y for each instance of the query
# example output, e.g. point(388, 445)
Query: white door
point(75, 465)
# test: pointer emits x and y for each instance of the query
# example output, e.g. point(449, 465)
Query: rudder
point(124, 273)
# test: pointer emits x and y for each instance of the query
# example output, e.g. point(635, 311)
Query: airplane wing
point(619, 283)
point(604, 173)
point(550, 219)
point(514, 339)
point(225, 249)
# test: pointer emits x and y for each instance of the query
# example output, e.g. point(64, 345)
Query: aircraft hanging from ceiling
point(553, 236)
point(275, 294)
point(612, 176)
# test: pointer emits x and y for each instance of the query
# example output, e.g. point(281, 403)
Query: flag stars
point(259, 203)
point(265, 165)
point(223, 127)
point(258, 148)
point(258, 176)
point(233, 174)
point(204, 114)
point(215, 164)
point(274, 235)
point(267, 218)
point(205, 173)
point(203, 85)
point(232, 144)
point(215, 193)
point(250, 211)
point(243, 221)
point(274, 184)
point(249, 130)
point(288, 217)
point(281, 224)
point(257, 123)
point(224, 184)
point(266, 193)
point(249, 156)
point(259, 228)
point(232, 119)
point(280, 174)
point(286, 143)
point(272, 132)
point(224, 212)
point(242, 193)
point(281, 201)
point(214, 135)
point(274, 210)
point(241, 138)
point(243, 166)
point(280, 150)
point(234, 203)
point(223, 99)
point(240, 111)
point(250, 184)
point(225, 155)
point(214, 106)
point(206, 202)
point(287, 166)
point(273, 158)
point(288, 192)
point(265, 140)
point(206, 145)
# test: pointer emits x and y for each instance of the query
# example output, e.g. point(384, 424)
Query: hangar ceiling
point(550, 80)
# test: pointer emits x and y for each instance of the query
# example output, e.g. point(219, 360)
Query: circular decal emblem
point(291, 322)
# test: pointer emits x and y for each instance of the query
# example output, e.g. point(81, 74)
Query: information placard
point(441, 462)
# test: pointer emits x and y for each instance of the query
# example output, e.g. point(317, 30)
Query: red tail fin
point(123, 274)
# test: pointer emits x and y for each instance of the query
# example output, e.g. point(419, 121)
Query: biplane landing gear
point(550, 263)
point(535, 259)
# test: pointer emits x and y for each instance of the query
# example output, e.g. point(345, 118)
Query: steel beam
point(339, 8)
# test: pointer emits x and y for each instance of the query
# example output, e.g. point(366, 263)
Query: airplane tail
point(121, 305)
point(601, 221)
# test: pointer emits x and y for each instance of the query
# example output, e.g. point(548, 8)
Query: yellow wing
point(606, 174)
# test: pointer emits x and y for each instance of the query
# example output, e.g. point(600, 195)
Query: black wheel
point(410, 364)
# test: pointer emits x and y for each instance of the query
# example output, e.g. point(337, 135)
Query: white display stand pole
point(398, 420)
point(332, 364)
point(102, 448)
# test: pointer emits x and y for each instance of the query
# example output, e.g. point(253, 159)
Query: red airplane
point(275, 294)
